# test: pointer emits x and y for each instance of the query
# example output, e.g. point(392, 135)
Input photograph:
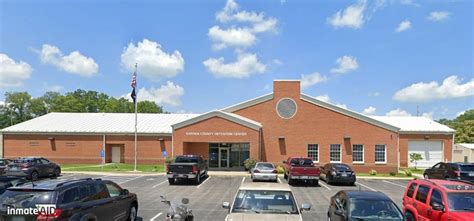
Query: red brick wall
point(404, 138)
point(84, 148)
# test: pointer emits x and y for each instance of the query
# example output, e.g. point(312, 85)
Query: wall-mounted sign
point(216, 133)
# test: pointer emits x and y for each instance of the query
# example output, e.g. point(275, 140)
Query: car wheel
point(132, 216)
point(290, 181)
point(316, 182)
point(409, 216)
point(198, 178)
point(426, 176)
point(285, 176)
point(328, 179)
point(34, 175)
point(57, 172)
point(171, 181)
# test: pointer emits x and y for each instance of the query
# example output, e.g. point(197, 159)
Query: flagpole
point(136, 105)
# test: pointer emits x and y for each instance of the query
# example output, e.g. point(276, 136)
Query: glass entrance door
point(223, 157)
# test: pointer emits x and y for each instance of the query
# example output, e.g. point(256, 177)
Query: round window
point(286, 108)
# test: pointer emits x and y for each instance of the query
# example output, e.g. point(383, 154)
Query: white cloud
point(153, 62)
point(232, 13)
point(323, 97)
point(341, 106)
point(345, 64)
point(245, 65)
point(403, 26)
point(74, 63)
point(460, 113)
point(397, 113)
point(428, 115)
point(235, 37)
point(450, 88)
point(312, 79)
point(277, 61)
point(374, 94)
point(409, 2)
point(167, 94)
point(438, 15)
point(369, 110)
point(351, 17)
point(12, 73)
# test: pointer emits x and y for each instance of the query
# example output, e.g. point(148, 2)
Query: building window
point(313, 152)
point(358, 153)
point(380, 154)
point(335, 153)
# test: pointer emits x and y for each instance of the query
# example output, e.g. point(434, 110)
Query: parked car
point(459, 171)
point(301, 168)
point(10, 181)
point(438, 200)
point(338, 173)
point(33, 167)
point(187, 167)
point(264, 201)
point(354, 205)
point(83, 199)
point(264, 171)
point(3, 165)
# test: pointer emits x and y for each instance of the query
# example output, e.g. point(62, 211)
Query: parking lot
point(206, 199)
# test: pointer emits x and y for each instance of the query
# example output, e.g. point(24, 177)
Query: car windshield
point(264, 166)
point(363, 209)
point(301, 162)
point(461, 201)
point(263, 201)
point(468, 168)
point(341, 167)
point(186, 160)
point(22, 160)
point(25, 199)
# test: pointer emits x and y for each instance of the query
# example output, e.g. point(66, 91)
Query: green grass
point(117, 167)
point(413, 170)
point(383, 175)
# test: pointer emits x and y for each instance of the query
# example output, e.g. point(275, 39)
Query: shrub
point(373, 172)
point(280, 169)
point(249, 163)
point(169, 160)
point(408, 172)
point(393, 174)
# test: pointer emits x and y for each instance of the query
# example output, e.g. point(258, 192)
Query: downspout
point(398, 155)
point(2, 152)
point(452, 147)
point(103, 149)
point(172, 142)
point(260, 144)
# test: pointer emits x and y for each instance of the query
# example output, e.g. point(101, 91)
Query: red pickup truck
point(302, 169)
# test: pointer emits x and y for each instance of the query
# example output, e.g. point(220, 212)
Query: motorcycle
point(178, 212)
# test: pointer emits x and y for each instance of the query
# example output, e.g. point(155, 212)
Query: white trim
point(296, 108)
point(427, 132)
point(340, 153)
point(248, 103)
point(363, 154)
point(349, 113)
point(307, 151)
point(217, 113)
point(385, 153)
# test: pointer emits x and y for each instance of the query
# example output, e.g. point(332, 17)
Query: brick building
point(267, 128)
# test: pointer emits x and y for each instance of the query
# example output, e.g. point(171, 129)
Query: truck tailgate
point(304, 171)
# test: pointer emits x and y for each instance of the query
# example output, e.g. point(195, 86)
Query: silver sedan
point(264, 171)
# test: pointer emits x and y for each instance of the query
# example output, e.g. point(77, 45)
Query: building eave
point(72, 133)
point(217, 113)
point(248, 103)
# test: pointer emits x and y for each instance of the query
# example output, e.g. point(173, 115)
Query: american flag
point(134, 85)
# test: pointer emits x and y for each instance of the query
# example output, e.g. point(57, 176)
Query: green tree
point(415, 157)
point(463, 125)
point(120, 105)
point(18, 106)
point(148, 107)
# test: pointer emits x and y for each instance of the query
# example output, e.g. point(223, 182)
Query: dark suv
point(83, 199)
point(458, 171)
point(33, 167)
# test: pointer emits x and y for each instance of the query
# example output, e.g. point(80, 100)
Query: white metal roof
point(466, 145)
point(411, 124)
point(99, 123)
point(217, 113)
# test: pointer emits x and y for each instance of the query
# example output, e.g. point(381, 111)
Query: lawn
point(115, 167)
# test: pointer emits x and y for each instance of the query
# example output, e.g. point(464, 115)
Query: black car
point(354, 205)
point(10, 181)
point(338, 173)
point(83, 199)
point(33, 167)
point(458, 171)
point(3, 165)
point(187, 167)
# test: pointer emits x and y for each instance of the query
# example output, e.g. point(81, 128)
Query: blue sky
point(377, 57)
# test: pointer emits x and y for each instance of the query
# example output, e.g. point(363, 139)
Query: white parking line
point(279, 181)
point(67, 176)
point(159, 184)
point(208, 178)
point(324, 185)
point(157, 215)
point(396, 184)
point(370, 188)
point(130, 179)
point(243, 179)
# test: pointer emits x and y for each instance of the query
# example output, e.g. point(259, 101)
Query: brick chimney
point(287, 88)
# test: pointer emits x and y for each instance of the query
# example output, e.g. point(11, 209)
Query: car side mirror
point(339, 212)
point(125, 192)
point(305, 207)
point(226, 205)
point(437, 207)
